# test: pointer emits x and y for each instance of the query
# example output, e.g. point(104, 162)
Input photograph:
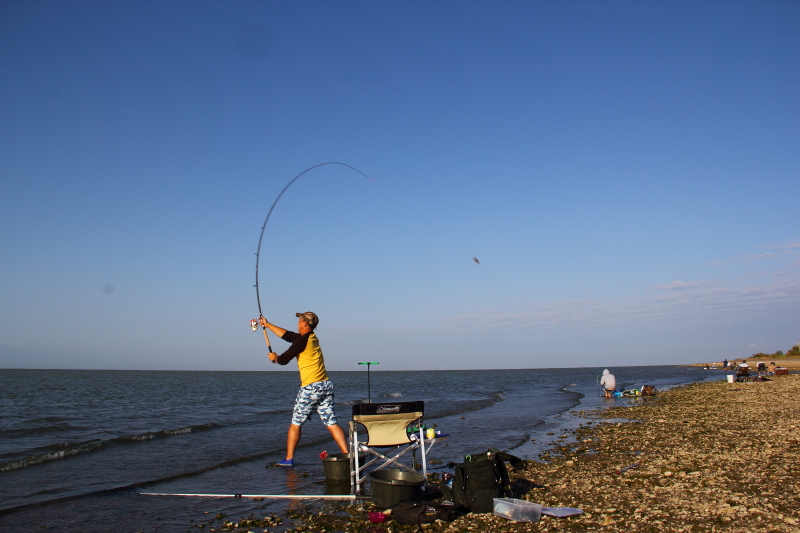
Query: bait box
point(518, 510)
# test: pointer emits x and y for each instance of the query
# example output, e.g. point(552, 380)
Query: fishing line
point(597, 379)
point(253, 322)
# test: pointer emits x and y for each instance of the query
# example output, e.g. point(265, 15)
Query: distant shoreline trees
point(794, 352)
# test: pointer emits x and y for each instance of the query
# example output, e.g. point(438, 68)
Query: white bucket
point(731, 378)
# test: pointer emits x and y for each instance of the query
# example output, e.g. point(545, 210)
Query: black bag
point(648, 390)
point(411, 513)
point(481, 478)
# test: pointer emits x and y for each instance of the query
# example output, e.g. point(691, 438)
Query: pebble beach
point(710, 456)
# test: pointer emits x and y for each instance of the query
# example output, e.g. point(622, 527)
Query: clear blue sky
point(627, 173)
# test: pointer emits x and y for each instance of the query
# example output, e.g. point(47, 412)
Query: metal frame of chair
point(386, 427)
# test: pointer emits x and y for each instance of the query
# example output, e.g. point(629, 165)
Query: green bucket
point(337, 466)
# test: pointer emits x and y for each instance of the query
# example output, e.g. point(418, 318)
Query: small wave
point(69, 445)
point(465, 406)
point(393, 394)
point(354, 402)
point(519, 441)
point(167, 432)
point(143, 436)
point(273, 412)
point(179, 431)
point(190, 429)
point(62, 450)
point(45, 457)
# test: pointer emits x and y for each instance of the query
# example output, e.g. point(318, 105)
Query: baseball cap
point(310, 318)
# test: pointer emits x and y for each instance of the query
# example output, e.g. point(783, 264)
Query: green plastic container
point(392, 485)
point(337, 466)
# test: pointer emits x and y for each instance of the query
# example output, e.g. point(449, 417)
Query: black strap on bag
point(481, 478)
point(412, 513)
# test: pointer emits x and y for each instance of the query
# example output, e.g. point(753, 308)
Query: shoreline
point(713, 457)
point(708, 456)
point(790, 362)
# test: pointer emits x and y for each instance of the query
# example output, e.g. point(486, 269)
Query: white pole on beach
point(265, 496)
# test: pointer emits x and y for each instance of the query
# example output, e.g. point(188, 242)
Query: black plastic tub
point(392, 485)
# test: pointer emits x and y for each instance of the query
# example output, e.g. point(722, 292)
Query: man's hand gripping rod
point(254, 327)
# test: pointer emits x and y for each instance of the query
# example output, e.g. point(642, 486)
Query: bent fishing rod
point(254, 322)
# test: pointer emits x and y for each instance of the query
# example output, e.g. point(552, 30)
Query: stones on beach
point(718, 443)
point(696, 474)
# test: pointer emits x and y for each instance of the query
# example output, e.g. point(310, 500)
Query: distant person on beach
point(771, 368)
point(609, 383)
point(744, 371)
point(762, 368)
point(725, 364)
point(316, 390)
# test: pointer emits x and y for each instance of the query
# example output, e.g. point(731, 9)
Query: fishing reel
point(254, 324)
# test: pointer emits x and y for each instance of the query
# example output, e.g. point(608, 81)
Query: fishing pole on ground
point(369, 389)
point(254, 322)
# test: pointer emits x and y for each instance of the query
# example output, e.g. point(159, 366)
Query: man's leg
point(292, 438)
point(302, 408)
point(338, 435)
point(326, 413)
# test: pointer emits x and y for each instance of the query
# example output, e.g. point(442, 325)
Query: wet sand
point(711, 457)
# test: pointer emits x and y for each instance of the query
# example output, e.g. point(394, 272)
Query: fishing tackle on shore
point(255, 322)
point(625, 469)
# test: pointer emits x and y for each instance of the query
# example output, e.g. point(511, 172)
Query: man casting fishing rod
point(316, 390)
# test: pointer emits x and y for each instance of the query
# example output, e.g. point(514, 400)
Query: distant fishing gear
point(254, 322)
point(369, 389)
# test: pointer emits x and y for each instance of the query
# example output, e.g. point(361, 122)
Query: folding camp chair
point(387, 427)
point(743, 374)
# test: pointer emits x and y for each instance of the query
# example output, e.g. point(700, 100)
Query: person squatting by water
point(316, 390)
point(609, 383)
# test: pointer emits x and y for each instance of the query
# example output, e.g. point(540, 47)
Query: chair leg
point(353, 439)
point(424, 457)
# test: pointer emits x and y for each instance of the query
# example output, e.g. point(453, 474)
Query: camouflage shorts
point(313, 397)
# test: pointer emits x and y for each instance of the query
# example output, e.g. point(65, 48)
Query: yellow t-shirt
point(310, 362)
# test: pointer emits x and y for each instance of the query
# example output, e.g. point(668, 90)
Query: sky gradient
point(627, 174)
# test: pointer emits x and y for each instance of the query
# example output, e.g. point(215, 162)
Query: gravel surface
point(703, 457)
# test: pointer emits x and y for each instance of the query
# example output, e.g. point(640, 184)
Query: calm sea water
point(78, 448)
